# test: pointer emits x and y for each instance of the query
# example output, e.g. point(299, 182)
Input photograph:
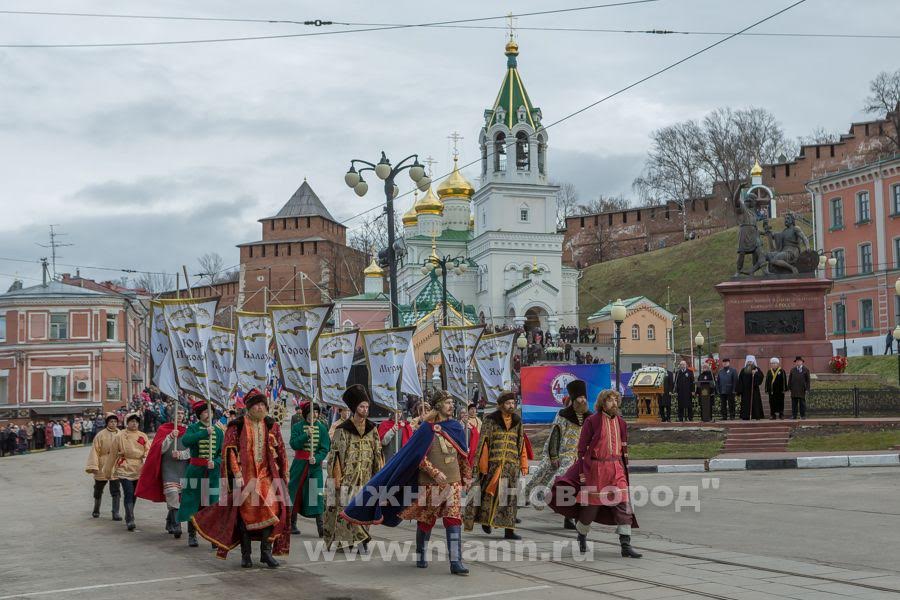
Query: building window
point(840, 318)
point(837, 213)
point(522, 148)
point(862, 208)
point(2, 328)
point(865, 258)
point(635, 332)
point(113, 389)
point(500, 153)
point(895, 199)
point(651, 332)
point(839, 269)
point(896, 253)
point(523, 213)
point(111, 327)
point(58, 388)
point(866, 315)
point(4, 389)
point(59, 326)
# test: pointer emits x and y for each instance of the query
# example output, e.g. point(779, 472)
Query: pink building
point(857, 216)
point(70, 349)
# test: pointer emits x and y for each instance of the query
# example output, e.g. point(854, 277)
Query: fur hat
point(506, 396)
point(197, 407)
point(304, 408)
point(576, 389)
point(255, 396)
point(132, 417)
point(110, 416)
point(354, 396)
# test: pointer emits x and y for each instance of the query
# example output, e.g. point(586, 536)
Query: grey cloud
point(593, 175)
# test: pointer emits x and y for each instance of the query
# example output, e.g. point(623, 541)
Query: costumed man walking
point(203, 440)
point(163, 471)
point(101, 447)
point(354, 458)
point(776, 384)
point(501, 459)
point(394, 433)
point(311, 445)
point(254, 466)
point(748, 382)
point(595, 488)
point(126, 461)
point(684, 392)
point(434, 466)
point(561, 448)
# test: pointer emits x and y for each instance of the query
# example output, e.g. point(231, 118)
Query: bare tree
point(212, 266)
point(884, 101)
point(602, 204)
point(819, 135)
point(566, 202)
point(674, 172)
point(154, 283)
point(373, 233)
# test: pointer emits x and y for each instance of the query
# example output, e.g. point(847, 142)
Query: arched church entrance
point(535, 318)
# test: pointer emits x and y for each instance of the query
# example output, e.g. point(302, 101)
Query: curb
point(771, 464)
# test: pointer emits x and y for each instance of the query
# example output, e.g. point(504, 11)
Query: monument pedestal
point(780, 318)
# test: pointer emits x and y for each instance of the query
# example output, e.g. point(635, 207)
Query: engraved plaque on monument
point(774, 322)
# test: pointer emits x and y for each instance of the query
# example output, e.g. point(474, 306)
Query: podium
point(648, 384)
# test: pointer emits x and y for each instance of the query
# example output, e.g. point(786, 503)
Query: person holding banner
point(434, 466)
point(311, 444)
point(254, 465)
point(501, 459)
point(201, 476)
point(163, 472)
point(561, 448)
point(595, 487)
point(355, 457)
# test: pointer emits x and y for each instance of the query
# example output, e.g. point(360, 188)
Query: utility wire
point(312, 34)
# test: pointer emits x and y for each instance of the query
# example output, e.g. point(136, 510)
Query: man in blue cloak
point(422, 482)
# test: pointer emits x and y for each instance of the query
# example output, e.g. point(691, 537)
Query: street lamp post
point(457, 263)
point(618, 312)
point(897, 339)
point(844, 321)
point(708, 323)
point(698, 341)
point(522, 343)
point(384, 170)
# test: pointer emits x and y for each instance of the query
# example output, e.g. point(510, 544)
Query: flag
point(458, 345)
point(163, 365)
point(189, 323)
point(220, 364)
point(296, 329)
point(409, 381)
point(252, 356)
point(334, 355)
point(493, 359)
point(385, 353)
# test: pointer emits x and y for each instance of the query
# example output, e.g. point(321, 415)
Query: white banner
point(409, 383)
point(296, 329)
point(334, 353)
point(493, 359)
point(220, 365)
point(163, 367)
point(457, 349)
point(190, 324)
point(251, 356)
point(385, 353)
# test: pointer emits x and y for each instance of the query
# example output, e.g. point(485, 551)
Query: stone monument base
point(780, 318)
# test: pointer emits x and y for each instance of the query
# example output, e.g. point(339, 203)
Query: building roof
point(428, 299)
point(512, 95)
point(304, 203)
point(56, 289)
point(604, 313)
point(447, 235)
point(312, 238)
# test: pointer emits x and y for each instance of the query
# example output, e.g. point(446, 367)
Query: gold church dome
point(373, 270)
point(756, 171)
point(512, 47)
point(455, 185)
point(409, 217)
point(429, 204)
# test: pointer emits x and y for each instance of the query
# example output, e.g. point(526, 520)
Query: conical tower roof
point(512, 95)
point(304, 203)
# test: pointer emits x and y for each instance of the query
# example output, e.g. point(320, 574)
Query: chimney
point(44, 272)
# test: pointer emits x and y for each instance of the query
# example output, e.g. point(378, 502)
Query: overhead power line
point(299, 35)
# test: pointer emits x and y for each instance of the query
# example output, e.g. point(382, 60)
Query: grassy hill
point(668, 276)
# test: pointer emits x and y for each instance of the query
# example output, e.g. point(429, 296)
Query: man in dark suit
point(798, 384)
point(665, 401)
point(726, 382)
point(684, 391)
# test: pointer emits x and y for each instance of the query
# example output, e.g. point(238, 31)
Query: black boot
point(170, 520)
point(454, 550)
point(320, 526)
point(294, 529)
point(568, 523)
point(176, 526)
point(192, 535)
point(487, 529)
point(115, 508)
point(265, 550)
point(627, 550)
point(582, 542)
point(96, 513)
point(246, 561)
point(422, 538)
point(129, 516)
point(510, 534)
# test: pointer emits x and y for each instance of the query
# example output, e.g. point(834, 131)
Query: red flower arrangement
point(837, 364)
point(714, 364)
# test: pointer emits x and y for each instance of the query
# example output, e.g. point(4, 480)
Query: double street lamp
point(618, 312)
point(698, 341)
point(522, 343)
point(384, 170)
point(457, 264)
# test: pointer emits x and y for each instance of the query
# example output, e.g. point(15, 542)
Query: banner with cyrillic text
point(190, 323)
point(220, 365)
point(254, 334)
point(493, 360)
point(457, 349)
point(334, 354)
point(385, 353)
point(163, 366)
point(296, 329)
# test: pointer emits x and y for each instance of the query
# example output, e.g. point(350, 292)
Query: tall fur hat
point(506, 396)
point(576, 388)
point(354, 396)
point(255, 396)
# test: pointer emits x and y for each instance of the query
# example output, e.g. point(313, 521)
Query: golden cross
point(511, 23)
point(455, 137)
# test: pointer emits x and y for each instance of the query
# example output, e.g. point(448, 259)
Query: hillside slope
point(668, 277)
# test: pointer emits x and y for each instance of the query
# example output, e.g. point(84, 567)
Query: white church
point(506, 228)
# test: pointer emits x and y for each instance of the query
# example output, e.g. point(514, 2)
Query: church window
point(500, 153)
point(542, 155)
point(523, 213)
point(635, 332)
point(651, 332)
point(522, 148)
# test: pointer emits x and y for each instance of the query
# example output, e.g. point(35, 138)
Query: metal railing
point(853, 402)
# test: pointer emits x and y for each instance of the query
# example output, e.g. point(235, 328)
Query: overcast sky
point(147, 157)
